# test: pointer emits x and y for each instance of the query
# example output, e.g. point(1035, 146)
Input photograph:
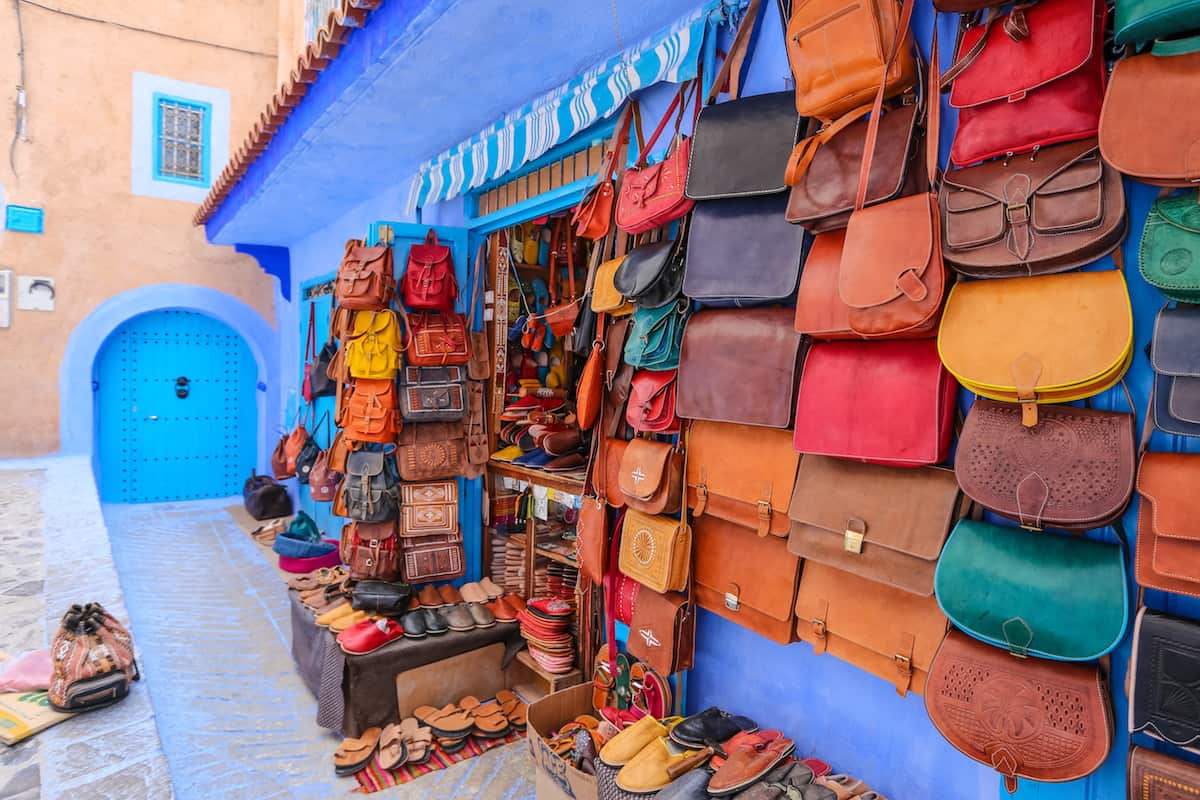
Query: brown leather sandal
point(353, 754)
point(490, 721)
point(393, 750)
point(449, 722)
point(418, 739)
point(514, 708)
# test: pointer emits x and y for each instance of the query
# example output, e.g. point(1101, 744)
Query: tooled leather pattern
point(1169, 696)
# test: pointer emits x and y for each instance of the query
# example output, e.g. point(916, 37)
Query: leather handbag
point(652, 195)
point(651, 407)
point(437, 339)
point(740, 366)
point(1058, 209)
point(364, 279)
point(824, 186)
point(433, 394)
point(1148, 128)
point(742, 474)
point(316, 364)
point(1049, 339)
point(294, 443)
point(560, 316)
point(431, 450)
point(308, 454)
point(1169, 255)
point(1025, 718)
point(432, 558)
point(606, 298)
point(820, 312)
point(591, 533)
point(1073, 470)
point(741, 147)
point(655, 337)
point(1140, 21)
point(743, 577)
point(651, 276)
point(614, 455)
point(886, 403)
point(1168, 544)
point(369, 550)
point(372, 346)
point(371, 489)
point(1028, 79)
point(881, 523)
point(618, 375)
point(265, 498)
point(370, 412)
point(592, 218)
point(1034, 594)
point(429, 508)
point(429, 282)
point(656, 551)
point(589, 391)
point(475, 432)
point(651, 477)
point(1176, 364)
point(888, 632)
point(662, 631)
point(479, 361)
point(1158, 776)
point(742, 252)
point(381, 597)
point(323, 479)
point(1163, 673)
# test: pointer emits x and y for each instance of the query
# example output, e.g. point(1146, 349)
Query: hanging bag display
point(436, 339)
point(1049, 339)
point(279, 465)
point(429, 282)
point(1157, 776)
point(431, 541)
point(431, 450)
point(1162, 671)
point(656, 550)
point(652, 195)
point(1025, 718)
point(373, 344)
point(591, 526)
point(1034, 594)
point(741, 474)
point(1169, 255)
point(364, 279)
point(663, 631)
point(433, 394)
point(655, 337)
point(310, 451)
point(316, 363)
point(324, 479)
point(369, 550)
point(479, 362)
point(651, 275)
point(560, 316)
point(651, 406)
point(294, 443)
point(1028, 79)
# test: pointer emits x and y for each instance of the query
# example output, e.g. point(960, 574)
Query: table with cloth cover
point(357, 692)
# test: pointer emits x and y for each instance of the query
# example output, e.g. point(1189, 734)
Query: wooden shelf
point(554, 682)
point(537, 477)
point(559, 557)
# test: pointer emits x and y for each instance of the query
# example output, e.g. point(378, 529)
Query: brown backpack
point(364, 279)
point(370, 551)
point(370, 412)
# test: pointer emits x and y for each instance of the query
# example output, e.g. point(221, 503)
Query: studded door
point(175, 409)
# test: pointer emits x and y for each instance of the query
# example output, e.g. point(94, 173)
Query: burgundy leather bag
point(651, 407)
point(429, 282)
point(1030, 78)
point(652, 194)
point(886, 403)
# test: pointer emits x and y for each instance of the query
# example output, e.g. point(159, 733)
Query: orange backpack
point(371, 411)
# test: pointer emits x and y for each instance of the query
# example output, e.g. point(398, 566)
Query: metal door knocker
point(181, 387)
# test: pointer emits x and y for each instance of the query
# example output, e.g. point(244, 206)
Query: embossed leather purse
point(879, 402)
point(429, 508)
point(881, 523)
point(1168, 541)
point(885, 631)
point(364, 278)
point(1158, 776)
point(1176, 362)
point(1058, 209)
point(1034, 594)
point(432, 558)
point(1150, 125)
point(1049, 339)
point(431, 450)
point(652, 477)
point(656, 550)
point(433, 394)
point(1169, 255)
point(651, 195)
point(1163, 673)
point(1025, 718)
point(438, 339)
point(1073, 470)
point(714, 359)
point(651, 407)
point(742, 474)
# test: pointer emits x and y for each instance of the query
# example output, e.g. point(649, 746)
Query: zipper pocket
point(100, 690)
point(836, 15)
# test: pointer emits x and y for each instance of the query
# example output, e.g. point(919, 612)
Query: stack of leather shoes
point(543, 440)
point(545, 625)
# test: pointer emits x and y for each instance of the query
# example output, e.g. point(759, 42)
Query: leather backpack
point(265, 498)
point(1169, 255)
point(1162, 678)
point(429, 282)
point(372, 345)
point(369, 550)
point(279, 460)
point(1157, 776)
point(370, 411)
point(93, 660)
point(323, 479)
point(371, 489)
point(364, 279)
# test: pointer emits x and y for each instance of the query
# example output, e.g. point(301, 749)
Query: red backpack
point(429, 282)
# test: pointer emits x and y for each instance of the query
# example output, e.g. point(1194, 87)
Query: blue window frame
point(182, 140)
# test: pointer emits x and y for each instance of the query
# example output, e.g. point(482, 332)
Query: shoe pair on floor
point(394, 746)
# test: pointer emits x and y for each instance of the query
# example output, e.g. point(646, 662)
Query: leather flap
point(1182, 211)
point(743, 248)
point(373, 322)
point(819, 311)
point(1086, 171)
point(644, 466)
point(433, 493)
point(642, 267)
point(375, 530)
point(1158, 776)
point(1062, 37)
point(1163, 673)
point(741, 147)
point(1183, 401)
point(735, 468)
point(652, 396)
point(365, 255)
point(433, 375)
point(364, 463)
point(887, 246)
point(967, 198)
point(429, 254)
point(906, 510)
point(1169, 481)
point(742, 571)
point(1173, 348)
point(429, 433)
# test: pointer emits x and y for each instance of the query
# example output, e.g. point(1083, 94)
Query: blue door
point(176, 415)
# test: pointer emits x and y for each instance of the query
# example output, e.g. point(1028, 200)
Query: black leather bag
point(742, 252)
point(381, 597)
point(371, 488)
point(265, 497)
point(741, 147)
point(318, 380)
point(1164, 679)
point(652, 275)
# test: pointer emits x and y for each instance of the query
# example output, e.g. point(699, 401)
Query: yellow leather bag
point(1046, 339)
point(656, 550)
point(373, 345)
point(605, 297)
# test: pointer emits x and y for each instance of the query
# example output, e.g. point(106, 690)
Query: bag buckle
point(375, 544)
point(732, 601)
point(818, 626)
point(1017, 213)
point(903, 664)
point(856, 533)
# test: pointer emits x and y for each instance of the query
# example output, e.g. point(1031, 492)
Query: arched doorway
point(175, 409)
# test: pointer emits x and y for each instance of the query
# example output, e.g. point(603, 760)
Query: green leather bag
point(1140, 21)
point(1032, 593)
point(1169, 256)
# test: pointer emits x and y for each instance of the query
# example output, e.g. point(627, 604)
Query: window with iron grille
point(181, 140)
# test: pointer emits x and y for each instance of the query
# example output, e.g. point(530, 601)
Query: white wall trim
point(145, 86)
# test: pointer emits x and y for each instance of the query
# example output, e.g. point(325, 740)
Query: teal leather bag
point(1169, 256)
point(1034, 593)
point(655, 336)
point(1140, 21)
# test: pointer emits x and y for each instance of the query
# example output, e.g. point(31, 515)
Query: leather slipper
point(516, 711)
point(844, 786)
point(393, 752)
point(490, 721)
point(449, 722)
point(353, 754)
point(418, 739)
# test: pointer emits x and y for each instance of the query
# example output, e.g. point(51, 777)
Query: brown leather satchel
point(364, 278)
point(1053, 211)
point(1072, 470)
point(1024, 717)
point(890, 633)
point(662, 632)
point(820, 312)
point(720, 380)
point(651, 476)
point(1158, 776)
point(748, 579)
point(369, 550)
point(430, 450)
point(1168, 540)
point(885, 524)
point(741, 473)
point(279, 460)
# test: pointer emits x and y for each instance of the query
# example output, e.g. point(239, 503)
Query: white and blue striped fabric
point(528, 132)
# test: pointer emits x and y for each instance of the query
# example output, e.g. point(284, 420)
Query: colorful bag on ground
point(429, 282)
point(1169, 255)
point(93, 660)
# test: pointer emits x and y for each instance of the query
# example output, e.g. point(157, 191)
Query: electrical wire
point(123, 26)
point(22, 101)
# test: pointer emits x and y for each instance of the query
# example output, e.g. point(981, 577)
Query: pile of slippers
point(396, 745)
point(453, 723)
point(545, 625)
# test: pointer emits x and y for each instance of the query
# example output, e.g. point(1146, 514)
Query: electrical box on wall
point(6, 276)
point(35, 293)
point(24, 219)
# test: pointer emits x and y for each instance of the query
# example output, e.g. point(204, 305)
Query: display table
point(357, 692)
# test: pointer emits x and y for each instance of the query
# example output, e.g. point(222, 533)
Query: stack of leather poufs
point(545, 624)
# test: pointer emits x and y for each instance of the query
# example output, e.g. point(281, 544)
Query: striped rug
point(374, 779)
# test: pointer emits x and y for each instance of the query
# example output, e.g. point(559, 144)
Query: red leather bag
point(887, 402)
point(652, 195)
point(1027, 79)
point(429, 281)
point(437, 339)
point(651, 407)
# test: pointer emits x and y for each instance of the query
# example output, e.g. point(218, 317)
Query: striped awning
point(527, 133)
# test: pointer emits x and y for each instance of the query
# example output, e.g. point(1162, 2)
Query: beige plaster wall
point(100, 239)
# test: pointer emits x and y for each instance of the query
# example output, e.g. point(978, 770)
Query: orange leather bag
point(1168, 542)
point(652, 477)
point(371, 412)
point(592, 218)
point(820, 312)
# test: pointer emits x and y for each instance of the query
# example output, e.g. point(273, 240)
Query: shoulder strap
point(731, 68)
point(310, 349)
point(677, 103)
point(476, 281)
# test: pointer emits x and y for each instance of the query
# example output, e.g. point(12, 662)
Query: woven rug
point(374, 779)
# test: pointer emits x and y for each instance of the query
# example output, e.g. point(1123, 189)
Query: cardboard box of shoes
point(556, 779)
